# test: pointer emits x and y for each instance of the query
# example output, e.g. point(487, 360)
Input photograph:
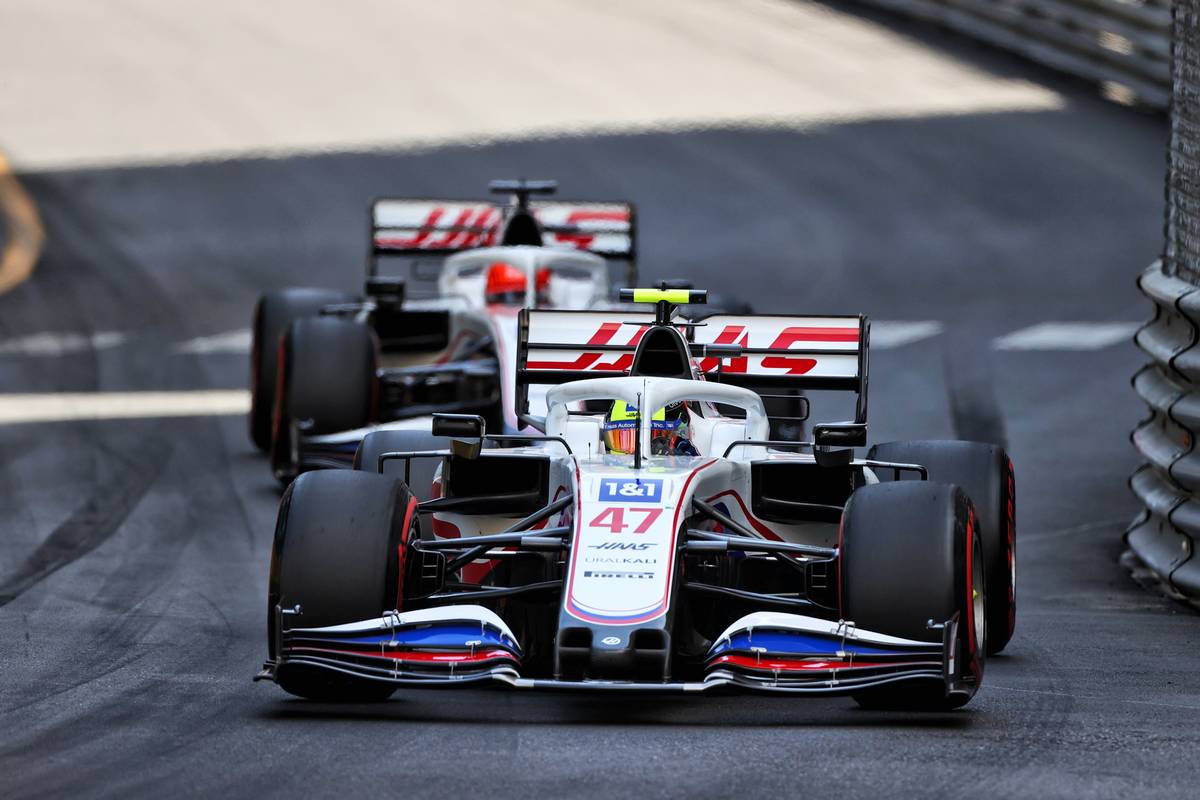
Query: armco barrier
point(1165, 536)
point(1124, 45)
point(1146, 51)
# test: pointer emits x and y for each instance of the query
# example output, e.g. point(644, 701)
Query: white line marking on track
point(230, 342)
point(59, 344)
point(1068, 336)
point(60, 407)
point(886, 334)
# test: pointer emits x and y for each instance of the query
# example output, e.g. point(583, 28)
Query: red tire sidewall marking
point(402, 555)
point(972, 643)
point(277, 421)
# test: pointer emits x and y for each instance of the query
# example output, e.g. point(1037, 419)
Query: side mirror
point(465, 430)
point(840, 434)
point(466, 426)
point(387, 291)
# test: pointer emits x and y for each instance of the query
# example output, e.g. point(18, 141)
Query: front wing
point(771, 652)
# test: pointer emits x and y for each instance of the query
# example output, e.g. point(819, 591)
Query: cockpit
point(526, 277)
point(602, 418)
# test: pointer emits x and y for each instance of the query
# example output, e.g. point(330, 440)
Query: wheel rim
point(978, 603)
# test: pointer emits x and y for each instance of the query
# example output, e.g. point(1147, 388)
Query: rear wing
point(414, 227)
point(558, 346)
point(790, 352)
point(776, 352)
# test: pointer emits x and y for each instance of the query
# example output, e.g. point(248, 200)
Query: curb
point(23, 232)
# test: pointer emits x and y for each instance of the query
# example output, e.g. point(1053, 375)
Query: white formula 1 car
point(715, 558)
point(326, 367)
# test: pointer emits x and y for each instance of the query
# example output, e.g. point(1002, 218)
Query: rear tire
point(338, 550)
point(273, 313)
point(909, 554)
point(985, 473)
point(326, 379)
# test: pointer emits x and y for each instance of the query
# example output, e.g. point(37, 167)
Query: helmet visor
point(621, 437)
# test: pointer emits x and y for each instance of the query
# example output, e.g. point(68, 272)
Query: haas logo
point(788, 365)
point(579, 238)
point(593, 361)
point(471, 227)
point(774, 358)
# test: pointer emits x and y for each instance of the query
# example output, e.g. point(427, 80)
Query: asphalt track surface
point(133, 554)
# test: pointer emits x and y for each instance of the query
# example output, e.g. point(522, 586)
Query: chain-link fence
point(1123, 45)
point(1146, 51)
point(1183, 154)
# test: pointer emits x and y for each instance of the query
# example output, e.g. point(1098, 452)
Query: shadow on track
point(483, 708)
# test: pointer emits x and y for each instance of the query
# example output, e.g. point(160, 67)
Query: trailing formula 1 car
point(326, 365)
point(651, 536)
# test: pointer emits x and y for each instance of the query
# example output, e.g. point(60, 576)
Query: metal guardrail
point(1144, 51)
point(1124, 45)
point(1163, 539)
point(1164, 535)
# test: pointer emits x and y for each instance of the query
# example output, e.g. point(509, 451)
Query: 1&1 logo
point(619, 490)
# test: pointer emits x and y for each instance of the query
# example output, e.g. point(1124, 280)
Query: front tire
point(338, 553)
point(909, 554)
point(326, 380)
point(273, 313)
point(985, 473)
point(420, 471)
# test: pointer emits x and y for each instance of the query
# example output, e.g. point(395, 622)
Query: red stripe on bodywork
point(414, 655)
point(793, 366)
point(750, 662)
point(790, 336)
point(416, 240)
point(766, 532)
point(660, 609)
point(585, 360)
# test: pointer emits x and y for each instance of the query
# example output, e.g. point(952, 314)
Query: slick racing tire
point(420, 471)
point(326, 383)
point(338, 553)
point(985, 473)
point(273, 313)
point(909, 554)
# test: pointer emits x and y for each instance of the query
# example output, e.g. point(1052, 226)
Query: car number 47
point(613, 518)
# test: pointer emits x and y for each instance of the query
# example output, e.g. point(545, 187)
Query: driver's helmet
point(506, 283)
point(668, 429)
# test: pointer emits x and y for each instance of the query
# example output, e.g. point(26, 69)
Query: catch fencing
point(1123, 45)
point(1148, 52)
point(1164, 537)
